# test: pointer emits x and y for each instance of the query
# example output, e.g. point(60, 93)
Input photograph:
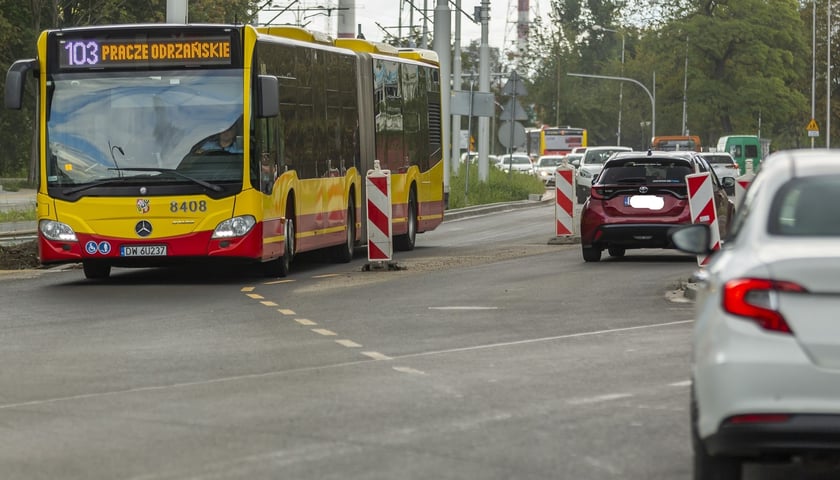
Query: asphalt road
point(490, 354)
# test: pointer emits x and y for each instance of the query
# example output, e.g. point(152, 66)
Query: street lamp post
point(652, 96)
point(620, 86)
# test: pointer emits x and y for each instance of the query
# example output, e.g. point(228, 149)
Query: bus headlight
point(235, 227)
point(57, 231)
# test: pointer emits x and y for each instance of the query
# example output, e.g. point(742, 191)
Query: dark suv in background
point(638, 197)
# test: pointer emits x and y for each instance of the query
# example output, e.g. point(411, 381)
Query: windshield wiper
point(99, 183)
point(204, 184)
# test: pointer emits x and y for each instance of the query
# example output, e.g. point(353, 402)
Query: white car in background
point(590, 166)
point(722, 163)
point(517, 162)
point(546, 166)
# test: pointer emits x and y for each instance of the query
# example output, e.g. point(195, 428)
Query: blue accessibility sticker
point(91, 248)
point(104, 248)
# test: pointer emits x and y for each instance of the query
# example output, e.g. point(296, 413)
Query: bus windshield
point(106, 125)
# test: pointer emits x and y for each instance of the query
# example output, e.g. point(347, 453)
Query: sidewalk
point(19, 200)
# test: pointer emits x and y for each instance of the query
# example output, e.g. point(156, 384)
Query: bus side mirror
point(16, 80)
point(268, 104)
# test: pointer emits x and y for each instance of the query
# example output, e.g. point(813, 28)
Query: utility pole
point(442, 28)
point(484, 86)
point(456, 84)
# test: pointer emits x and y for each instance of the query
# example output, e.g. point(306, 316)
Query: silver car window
point(799, 208)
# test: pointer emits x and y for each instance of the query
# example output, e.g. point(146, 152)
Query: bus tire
point(96, 270)
point(405, 242)
point(280, 267)
point(344, 252)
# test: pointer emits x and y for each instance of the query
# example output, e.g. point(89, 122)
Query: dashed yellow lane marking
point(348, 343)
point(324, 331)
point(304, 321)
point(256, 296)
point(286, 311)
point(269, 303)
point(376, 355)
point(276, 282)
point(247, 289)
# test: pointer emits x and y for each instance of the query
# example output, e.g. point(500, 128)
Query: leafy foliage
point(733, 67)
point(466, 190)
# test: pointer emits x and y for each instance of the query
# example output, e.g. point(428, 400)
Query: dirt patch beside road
point(19, 257)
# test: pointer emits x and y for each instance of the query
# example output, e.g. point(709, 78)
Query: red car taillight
point(756, 299)
point(749, 418)
point(597, 193)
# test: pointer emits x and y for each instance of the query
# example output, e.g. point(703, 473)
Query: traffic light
point(472, 143)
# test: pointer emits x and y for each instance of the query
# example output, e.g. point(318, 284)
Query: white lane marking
point(247, 289)
point(286, 311)
point(277, 373)
point(598, 398)
point(348, 343)
point(409, 370)
point(684, 383)
point(376, 355)
point(304, 321)
point(324, 331)
point(268, 303)
point(464, 308)
point(328, 275)
point(278, 282)
point(545, 339)
point(256, 296)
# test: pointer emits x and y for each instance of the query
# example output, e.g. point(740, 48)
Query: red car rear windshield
point(647, 172)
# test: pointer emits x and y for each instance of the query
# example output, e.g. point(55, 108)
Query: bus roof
point(428, 56)
point(359, 45)
point(297, 33)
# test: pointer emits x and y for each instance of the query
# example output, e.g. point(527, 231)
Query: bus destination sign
point(154, 52)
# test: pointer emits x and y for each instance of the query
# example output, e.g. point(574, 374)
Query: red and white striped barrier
point(378, 190)
point(741, 184)
point(701, 204)
point(564, 203)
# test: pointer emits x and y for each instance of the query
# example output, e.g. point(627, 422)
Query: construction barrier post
point(702, 207)
point(564, 203)
point(378, 191)
point(741, 184)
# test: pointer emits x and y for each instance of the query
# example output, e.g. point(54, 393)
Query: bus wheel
point(406, 241)
point(96, 270)
point(285, 262)
point(344, 252)
point(280, 267)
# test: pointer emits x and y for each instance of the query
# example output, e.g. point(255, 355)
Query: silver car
point(722, 163)
point(589, 166)
point(546, 166)
point(518, 162)
point(766, 341)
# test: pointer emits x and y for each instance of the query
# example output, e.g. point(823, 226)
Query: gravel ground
point(19, 257)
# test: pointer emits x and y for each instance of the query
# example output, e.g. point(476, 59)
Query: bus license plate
point(143, 250)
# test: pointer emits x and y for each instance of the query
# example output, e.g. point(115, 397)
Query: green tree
point(748, 62)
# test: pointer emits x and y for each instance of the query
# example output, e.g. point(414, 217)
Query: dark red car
point(638, 197)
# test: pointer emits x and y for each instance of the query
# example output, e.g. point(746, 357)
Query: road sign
point(513, 111)
point(512, 134)
point(514, 86)
point(813, 128)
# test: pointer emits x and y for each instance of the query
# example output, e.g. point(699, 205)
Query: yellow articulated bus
point(547, 140)
point(161, 144)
